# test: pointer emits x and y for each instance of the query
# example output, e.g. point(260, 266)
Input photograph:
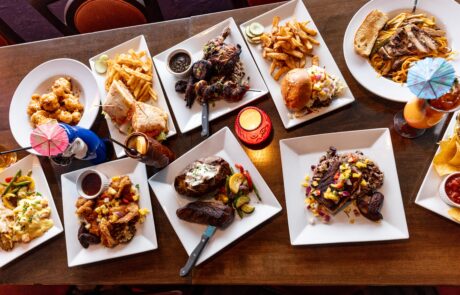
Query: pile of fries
point(134, 69)
point(288, 46)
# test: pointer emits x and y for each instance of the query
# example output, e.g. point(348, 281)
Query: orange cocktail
point(422, 114)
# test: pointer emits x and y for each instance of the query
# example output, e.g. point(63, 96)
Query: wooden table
point(264, 256)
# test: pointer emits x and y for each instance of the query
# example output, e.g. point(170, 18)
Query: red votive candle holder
point(253, 126)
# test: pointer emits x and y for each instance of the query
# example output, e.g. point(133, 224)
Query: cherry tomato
point(8, 179)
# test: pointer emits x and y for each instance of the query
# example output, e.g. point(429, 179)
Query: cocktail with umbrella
point(62, 143)
point(48, 140)
point(433, 82)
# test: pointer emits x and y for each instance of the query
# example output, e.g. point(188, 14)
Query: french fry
point(277, 55)
point(288, 46)
point(275, 21)
point(313, 40)
point(315, 60)
point(272, 67)
point(294, 53)
point(280, 72)
point(278, 44)
point(303, 62)
point(284, 38)
point(291, 63)
point(135, 70)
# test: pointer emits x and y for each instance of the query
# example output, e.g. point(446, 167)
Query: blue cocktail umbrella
point(431, 78)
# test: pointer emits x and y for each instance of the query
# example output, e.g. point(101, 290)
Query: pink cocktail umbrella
point(49, 139)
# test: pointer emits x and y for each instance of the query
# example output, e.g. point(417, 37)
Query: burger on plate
point(308, 89)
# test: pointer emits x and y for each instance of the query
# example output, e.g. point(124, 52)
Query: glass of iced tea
point(148, 150)
point(7, 160)
point(421, 114)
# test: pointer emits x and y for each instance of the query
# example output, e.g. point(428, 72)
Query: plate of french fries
point(130, 63)
point(289, 40)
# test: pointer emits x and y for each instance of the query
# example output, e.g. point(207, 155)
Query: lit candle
point(253, 126)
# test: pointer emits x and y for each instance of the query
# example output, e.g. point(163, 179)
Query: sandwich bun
point(296, 89)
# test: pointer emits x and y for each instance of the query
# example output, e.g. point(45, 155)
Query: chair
point(84, 16)
point(7, 35)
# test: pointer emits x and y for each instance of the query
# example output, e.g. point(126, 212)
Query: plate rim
point(405, 94)
point(93, 112)
point(277, 208)
point(142, 40)
point(287, 122)
point(403, 233)
point(420, 198)
point(71, 260)
point(58, 225)
point(233, 106)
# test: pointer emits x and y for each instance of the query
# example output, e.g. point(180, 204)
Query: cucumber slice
point(248, 33)
point(104, 57)
point(256, 29)
point(241, 201)
point(248, 209)
point(100, 66)
point(250, 40)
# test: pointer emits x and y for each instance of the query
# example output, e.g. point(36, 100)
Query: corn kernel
point(144, 211)
point(361, 165)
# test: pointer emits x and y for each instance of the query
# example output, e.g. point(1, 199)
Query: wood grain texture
point(264, 256)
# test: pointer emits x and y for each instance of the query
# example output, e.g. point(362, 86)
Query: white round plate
point(39, 80)
point(446, 13)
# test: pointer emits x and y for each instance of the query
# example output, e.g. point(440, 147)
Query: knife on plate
point(205, 119)
point(208, 233)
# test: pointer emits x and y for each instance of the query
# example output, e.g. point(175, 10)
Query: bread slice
point(149, 119)
point(367, 33)
point(119, 103)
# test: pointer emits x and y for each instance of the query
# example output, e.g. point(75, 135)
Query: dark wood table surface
point(264, 256)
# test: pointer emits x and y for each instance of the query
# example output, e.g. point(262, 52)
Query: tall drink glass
point(148, 150)
point(421, 114)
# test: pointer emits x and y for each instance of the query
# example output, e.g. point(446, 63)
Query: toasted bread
point(149, 119)
point(367, 33)
point(119, 103)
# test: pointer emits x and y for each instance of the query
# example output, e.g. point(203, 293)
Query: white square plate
point(428, 195)
point(286, 12)
point(225, 145)
point(138, 44)
point(299, 154)
point(145, 238)
point(41, 185)
point(189, 119)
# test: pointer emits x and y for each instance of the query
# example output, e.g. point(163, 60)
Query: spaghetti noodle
point(398, 38)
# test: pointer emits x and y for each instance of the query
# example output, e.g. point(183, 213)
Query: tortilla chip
point(444, 169)
point(454, 213)
point(455, 160)
point(448, 150)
